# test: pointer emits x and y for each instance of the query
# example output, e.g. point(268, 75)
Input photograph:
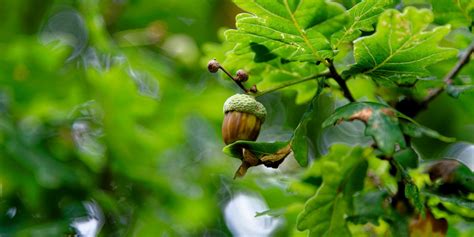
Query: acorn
point(243, 118)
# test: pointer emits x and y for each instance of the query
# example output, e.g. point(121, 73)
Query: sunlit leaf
point(401, 48)
point(451, 203)
point(362, 17)
point(294, 30)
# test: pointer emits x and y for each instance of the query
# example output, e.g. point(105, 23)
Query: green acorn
point(243, 118)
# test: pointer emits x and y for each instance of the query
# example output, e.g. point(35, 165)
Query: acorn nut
point(243, 118)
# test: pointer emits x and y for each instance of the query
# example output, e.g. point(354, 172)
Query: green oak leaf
point(398, 224)
point(299, 142)
point(401, 48)
point(407, 158)
point(381, 123)
point(416, 130)
point(376, 200)
point(362, 17)
point(384, 124)
point(450, 204)
point(411, 190)
point(412, 128)
point(324, 213)
point(259, 149)
point(455, 12)
point(294, 30)
point(413, 193)
point(348, 3)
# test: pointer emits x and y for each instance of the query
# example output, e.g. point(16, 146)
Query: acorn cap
point(245, 104)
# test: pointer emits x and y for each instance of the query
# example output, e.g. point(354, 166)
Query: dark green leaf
point(382, 124)
point(401, 48)
point(411, 190)
point(259, 149)
point(355, 181)
point(414, 129)
point(299, 142)
point(464, 176)
point(398, 224)
point(407, 158)
point(413, 194)
point(369, 207)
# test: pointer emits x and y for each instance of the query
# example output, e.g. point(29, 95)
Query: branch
point(290, 83)
point(448, 79)
point(213, 66)
point(233, 79)
point(340, 81)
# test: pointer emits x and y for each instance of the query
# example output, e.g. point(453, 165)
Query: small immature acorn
point(243, 118)
point(242, 76)
point(213, 66)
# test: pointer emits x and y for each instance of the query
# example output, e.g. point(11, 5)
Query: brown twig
point(412, 107)
point(233, 79)
point(448, 79)
point(340, 81)
point(213, 66)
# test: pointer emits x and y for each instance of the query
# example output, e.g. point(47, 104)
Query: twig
point(290, 83)
point(340, 81)
point(233, 79)
point(448, 79)
point(213, 66)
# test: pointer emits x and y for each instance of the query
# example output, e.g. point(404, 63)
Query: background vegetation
point(110, 124)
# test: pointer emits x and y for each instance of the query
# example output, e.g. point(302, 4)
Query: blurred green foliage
point(95, 109)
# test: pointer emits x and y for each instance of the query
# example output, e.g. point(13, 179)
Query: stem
point(340, 81)
point(232, 78)
point(448, 79)
point(290, 83)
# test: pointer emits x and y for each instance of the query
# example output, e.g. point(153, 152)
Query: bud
point(213, 66)
point(253, 89)
point(242, 76)
point(243, 118)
